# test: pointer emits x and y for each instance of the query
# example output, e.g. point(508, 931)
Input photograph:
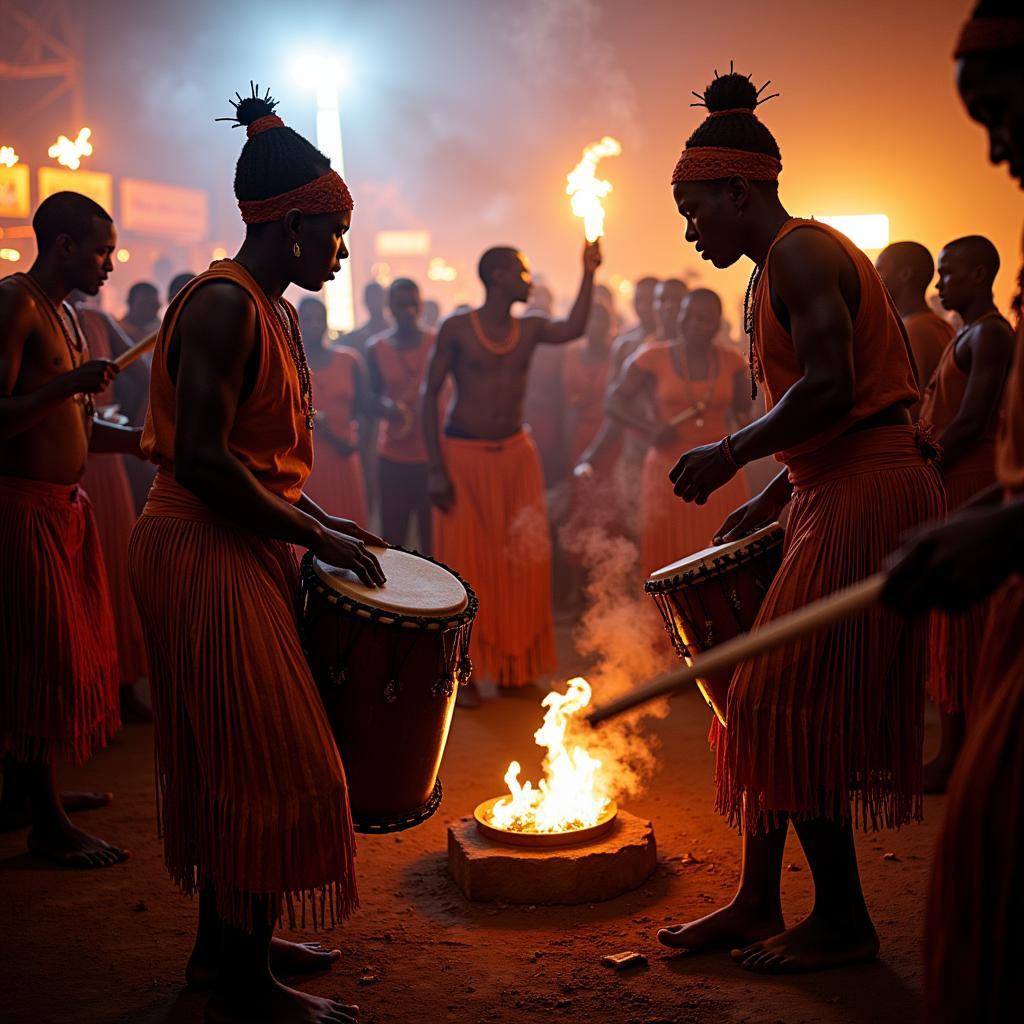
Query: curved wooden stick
point(139, 349)
point(814, 616)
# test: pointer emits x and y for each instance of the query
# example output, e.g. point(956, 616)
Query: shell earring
point(296, 250)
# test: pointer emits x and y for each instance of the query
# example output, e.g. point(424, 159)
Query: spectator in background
point(143, 315)
point(177, 283)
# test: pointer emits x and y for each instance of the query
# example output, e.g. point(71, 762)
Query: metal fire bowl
point(542, 840)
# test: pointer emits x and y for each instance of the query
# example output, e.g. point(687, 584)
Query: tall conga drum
point(713, 596)
point(387, 661)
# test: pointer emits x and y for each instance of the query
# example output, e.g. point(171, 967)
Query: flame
point(8, 157)
point(570, 796)
point(69, 153)
point(586, 190)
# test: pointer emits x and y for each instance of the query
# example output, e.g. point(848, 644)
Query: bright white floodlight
point(327, 76)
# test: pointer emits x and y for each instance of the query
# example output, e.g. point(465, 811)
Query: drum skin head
point(708, 556)
point(414, 585)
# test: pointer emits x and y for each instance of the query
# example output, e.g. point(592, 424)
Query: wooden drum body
point(713, 596)
point(387, 662)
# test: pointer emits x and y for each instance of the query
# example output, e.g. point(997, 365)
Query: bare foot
point(277, 1005)
point(15, 814)
point(724, 929)
point(70, 847)
point(815, 944)
point(286, 959)
point(468, 696)
point(935, 774)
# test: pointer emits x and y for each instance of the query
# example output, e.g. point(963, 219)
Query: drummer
point(698, 392)
point(827, 732)
point(254, 803)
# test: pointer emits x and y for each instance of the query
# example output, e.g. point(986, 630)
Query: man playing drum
point(253, 799)
point(837, 717)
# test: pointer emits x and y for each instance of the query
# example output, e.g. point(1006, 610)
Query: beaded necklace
point(298, 354)
point(498, 348)
point(698, 402)
point(750, 317)
point(76, 348)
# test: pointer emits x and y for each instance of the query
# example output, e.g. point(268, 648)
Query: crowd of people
point(151, 518)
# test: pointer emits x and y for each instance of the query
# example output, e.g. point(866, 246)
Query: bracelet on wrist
point(725, 447)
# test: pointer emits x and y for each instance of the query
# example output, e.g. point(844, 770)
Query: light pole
point(327, 75)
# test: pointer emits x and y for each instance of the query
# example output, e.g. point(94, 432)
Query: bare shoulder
point(219, 299)
point(16, 301)
point(454, 329)
point(532, 325)
point(803, 249)
point(993, 333)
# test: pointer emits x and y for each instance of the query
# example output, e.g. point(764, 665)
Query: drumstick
point(129, 355)
point(725, 656)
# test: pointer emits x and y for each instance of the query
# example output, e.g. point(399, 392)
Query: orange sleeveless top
point(402, 372)
point(335, 386)
point(269, 436)
point(929, 337)
point(942, 400)
point(883, 371)
point(675, 393)
point(1010, 448)
point(585, 385)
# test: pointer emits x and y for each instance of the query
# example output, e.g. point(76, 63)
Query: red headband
point(709, 163)
point(732, 110)
point(983, 35)
point(263, 124)
point(326, 194)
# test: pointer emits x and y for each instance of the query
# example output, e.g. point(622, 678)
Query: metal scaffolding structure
point(40, 44)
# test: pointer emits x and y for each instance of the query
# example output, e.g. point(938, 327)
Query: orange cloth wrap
point(973, 940)
point(496, 537)
point(269, 435)
point(1010, 449)
point(883, 371)
point(336, 483)
point(252, 794)
point(669, 528)
point(401, 373)
point(929, 336)
point(251, 789)
point(58, 660)
point(585, 385)
point(955, 647)
point(106, 482)
point(838, 714)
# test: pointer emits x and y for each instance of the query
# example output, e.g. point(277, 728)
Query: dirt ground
point(110, 946)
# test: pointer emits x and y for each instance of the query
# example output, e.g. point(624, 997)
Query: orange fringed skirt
point(251, 789)
point(974, 944)
point(838, 714)
point(670, 529)
point(955, 647)
point(58, 660)
point(106, 481)
point(496, 537)
point(336, 483)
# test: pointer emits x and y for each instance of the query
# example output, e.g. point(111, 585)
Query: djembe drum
point(714, 595)
point(387, 661)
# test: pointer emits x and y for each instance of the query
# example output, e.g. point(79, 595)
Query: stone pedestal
point(618, 862)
